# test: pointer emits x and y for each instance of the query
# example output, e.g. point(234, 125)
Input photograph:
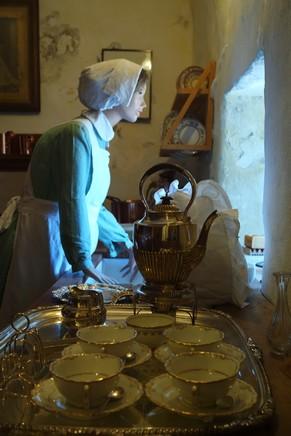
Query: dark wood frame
point(24, 93)
point(138, 56)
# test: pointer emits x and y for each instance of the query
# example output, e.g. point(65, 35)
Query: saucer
point(164, 352)
point(142, 352)
point(47, 396)
point(164, 393)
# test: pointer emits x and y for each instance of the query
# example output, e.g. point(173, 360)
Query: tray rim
point(254, 419)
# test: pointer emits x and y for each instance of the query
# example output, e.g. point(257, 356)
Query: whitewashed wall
point(277, 197)
point(72, 34)
point(233, 32)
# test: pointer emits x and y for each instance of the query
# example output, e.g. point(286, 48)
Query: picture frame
point(142, 57)
point(19, 56)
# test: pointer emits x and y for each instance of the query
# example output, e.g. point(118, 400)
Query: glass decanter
point(279, 333)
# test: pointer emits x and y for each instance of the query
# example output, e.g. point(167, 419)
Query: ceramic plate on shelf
point(189, 77)
point(168, 121)
point(163, 392)
point(189, 131)
point(47, 396)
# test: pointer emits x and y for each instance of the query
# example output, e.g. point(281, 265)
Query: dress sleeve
point(73, 184)
point(111, 233)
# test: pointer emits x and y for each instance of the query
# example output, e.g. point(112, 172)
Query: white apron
point(38, 258)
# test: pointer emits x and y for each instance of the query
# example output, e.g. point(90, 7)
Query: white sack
point(222, 275)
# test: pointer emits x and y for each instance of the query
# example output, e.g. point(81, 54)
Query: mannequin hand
point(131, 267)
point(98, 276)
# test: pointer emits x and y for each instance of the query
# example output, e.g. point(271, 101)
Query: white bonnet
point(108, 84)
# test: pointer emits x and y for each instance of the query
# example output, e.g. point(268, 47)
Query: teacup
point(186, 337)
point(203, 377)
point(112, 339)
point(150, 327)
point(86, 380)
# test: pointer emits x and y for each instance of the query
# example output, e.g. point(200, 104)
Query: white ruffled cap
point(108, 84)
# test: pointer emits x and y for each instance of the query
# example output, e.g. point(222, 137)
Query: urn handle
point(172, 167)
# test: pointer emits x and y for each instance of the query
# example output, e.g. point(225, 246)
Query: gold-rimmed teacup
point(112, 339)
point(85, 380)
point(150, 327)
point(184, 338)
point(203, 377)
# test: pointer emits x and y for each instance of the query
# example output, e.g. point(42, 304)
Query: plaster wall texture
point(233, 33)
point(277, 192)
point(230, 33)
point(242, 136)
point(243, 161)
point(72, 34)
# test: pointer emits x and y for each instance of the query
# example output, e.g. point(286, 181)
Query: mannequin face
point(137, 104)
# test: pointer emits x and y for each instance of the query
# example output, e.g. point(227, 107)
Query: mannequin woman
point(60, 216)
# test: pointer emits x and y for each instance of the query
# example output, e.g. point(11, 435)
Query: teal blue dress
point(61, 172)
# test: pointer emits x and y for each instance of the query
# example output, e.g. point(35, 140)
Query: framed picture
point(19, 56)
point(142, 57)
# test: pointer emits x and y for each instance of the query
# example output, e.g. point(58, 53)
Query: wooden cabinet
point(192, 103)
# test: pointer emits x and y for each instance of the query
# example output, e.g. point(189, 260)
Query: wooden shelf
point(196, 103)
point(16, 150)
point(14, 162)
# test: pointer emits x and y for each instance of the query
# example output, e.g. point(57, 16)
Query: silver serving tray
point(144, 418)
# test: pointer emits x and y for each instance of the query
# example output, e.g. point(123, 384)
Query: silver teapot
point(166, 244)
